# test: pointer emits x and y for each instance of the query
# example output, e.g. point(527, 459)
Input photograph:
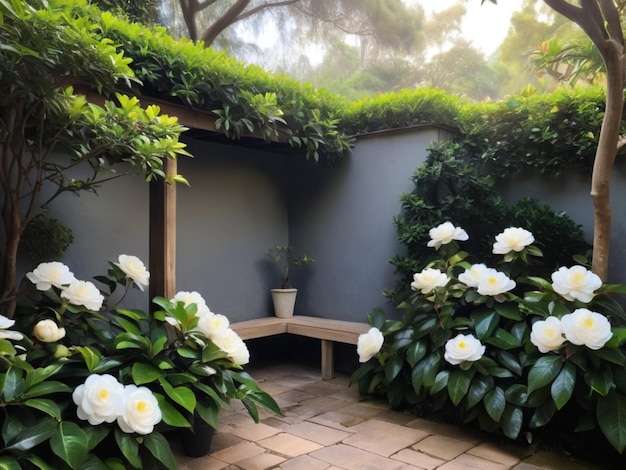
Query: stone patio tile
point(506, 455)
point(347, 394)
point(394, 417)
point(418, 459)
point(471, 462)
point(383, 438)
point(233, 418)
point(444, 429)
point(295, 381)
point(365, 412)
point(304, 462)
point(443, 447)
point(278, 423)
point(337, 420)
point(323, 435)
point(238, 452)
point(553, 461)
point(289, 445)
point(298, 413)
point(324, 403)
point(261, 462)
point(204, 463)
point(221, 440)
point(295, 396)
point(351, 458)
point(273, 388)
point(325, 388)
point(526, 466)
point(254, 431)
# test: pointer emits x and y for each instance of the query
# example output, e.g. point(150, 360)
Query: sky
point(485, 25)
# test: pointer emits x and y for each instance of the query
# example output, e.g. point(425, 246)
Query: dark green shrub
point(46, 239)
point(453, 186)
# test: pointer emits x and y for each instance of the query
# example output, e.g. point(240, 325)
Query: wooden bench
point(327, 330)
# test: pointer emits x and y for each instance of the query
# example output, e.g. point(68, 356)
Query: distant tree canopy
point(144, 11)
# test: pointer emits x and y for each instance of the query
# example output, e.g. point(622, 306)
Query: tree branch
point(588, 17)
point(223, 22)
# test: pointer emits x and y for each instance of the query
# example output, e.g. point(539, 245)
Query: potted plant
point(88, 384)
point(284, 298)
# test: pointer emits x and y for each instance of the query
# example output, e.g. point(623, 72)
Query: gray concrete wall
point(343, 217)
point(570, 192)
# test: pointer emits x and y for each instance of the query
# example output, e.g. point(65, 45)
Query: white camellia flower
point(187, 298)
point(445, 233)
point(494, 283)
point(512, 239)
point(6, 323)
point(583, 326)
point(472, 276)
point(547, 334)
point(213, 324)
point(134, 269)
point(463, 348)
point(427, 280)
point(50, 274)
point(369, 344)
point(48, 331)
point(99, 399)
point(575, 283)
point(83, 293)
point(230, 342)
point(140, 410)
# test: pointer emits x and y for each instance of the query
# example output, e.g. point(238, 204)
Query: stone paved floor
point(326, 425)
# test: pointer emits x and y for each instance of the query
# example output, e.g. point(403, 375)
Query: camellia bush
point(493, 346)
point(86, 384)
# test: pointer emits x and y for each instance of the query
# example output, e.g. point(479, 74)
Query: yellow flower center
point(142, 406)
point(549, 332)
point(462, 344)
point(588, 323)
point(103, 394)
point(578, 277)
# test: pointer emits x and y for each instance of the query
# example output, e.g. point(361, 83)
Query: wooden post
point(162, 236)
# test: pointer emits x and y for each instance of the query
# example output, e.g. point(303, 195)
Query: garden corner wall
point(343, 218)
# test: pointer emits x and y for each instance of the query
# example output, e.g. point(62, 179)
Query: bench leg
point(328, 366)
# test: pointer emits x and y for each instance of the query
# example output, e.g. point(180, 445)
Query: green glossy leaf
point(47, 406)
point(69, 443)
point(516, 394)
point(458, 385)
point(503, 339)
point(145, 373)
point(508, 310)
point(478, 388)
point(543, 414)
point(393, 366)
point(415, 352)
point(181, 395)
point(441, 382)
point(34, 435)
point(160, 449)
point(41, 373)
point(544, 371)
point(600, 380)
point(485, 323)
point(45, 388)
point(563, 385)
point(9, 463)
point(13, 385)
point(511, 421)
point(495, 403)
point(510, 361)
point(171, 415)
point(611, 415)
point(129, 447)
point(614, 355)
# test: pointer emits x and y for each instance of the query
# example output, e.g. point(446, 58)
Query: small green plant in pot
point(284, 298)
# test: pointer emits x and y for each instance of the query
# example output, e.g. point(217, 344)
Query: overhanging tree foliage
point(44, 52)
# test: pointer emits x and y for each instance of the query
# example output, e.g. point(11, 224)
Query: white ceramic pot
point(284, 302)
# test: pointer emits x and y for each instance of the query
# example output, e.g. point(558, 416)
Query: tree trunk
point(605, 157)
point(223, 22)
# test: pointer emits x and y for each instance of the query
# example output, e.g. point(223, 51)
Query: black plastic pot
point(197, 440)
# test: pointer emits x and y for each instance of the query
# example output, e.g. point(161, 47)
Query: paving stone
point(526, 466)
point(204, 463)
point(324, 403)
point(471, 462)
point(553, 461)
point(337, 420)
point(222, 440)
point(322, 435)
point(443, 447)
point(261, 462)
point(294, 396)
point(351, 458)
point(383, 438)
point(254, 431)
point(418, 459)
point(289, 445)
point(365, 412)
point(444, 429)
point(506, 455)
point(304, 462)
point(238, 452)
